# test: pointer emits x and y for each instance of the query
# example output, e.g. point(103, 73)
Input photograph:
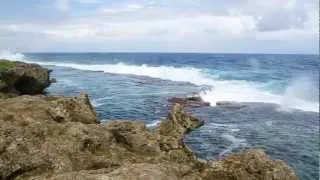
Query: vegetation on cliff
point(5, 65)
point(21, 78)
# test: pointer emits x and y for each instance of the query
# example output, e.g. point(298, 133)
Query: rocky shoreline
point(51, 137)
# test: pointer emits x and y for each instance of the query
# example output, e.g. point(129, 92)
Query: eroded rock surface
point(22, 78)
point(60, 138)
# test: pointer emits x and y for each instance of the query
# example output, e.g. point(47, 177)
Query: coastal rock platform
point(57, 138)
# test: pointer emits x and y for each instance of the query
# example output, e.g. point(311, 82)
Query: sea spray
point(6, 54)
point(218, 89)
point(303, 91)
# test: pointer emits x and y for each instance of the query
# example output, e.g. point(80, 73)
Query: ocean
point(279, 94)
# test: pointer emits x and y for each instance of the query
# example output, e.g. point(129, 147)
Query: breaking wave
point(221, 90)
point(12, 56)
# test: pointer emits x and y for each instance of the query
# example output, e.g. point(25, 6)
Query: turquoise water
point(280, 94)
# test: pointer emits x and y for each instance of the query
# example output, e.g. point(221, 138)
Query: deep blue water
point(280, 94)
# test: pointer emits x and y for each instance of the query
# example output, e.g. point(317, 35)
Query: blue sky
point(231, 26)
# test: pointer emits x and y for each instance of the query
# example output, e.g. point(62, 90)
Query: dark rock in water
point(230, 105)
point(193, 101)
point(21, 78)
point(53, 80)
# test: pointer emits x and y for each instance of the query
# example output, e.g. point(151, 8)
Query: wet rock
point(53, 80)
point(22, 78)
point(193, 101)
point(230, 105)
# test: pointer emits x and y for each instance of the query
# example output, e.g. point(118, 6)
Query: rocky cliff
point(48, 137)
point(18, 78)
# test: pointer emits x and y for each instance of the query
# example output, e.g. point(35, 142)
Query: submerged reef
point(56, 137)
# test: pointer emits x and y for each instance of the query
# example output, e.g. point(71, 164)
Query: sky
point(216, 26)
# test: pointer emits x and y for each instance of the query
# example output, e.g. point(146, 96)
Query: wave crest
point(220, 90)
point(5, 54)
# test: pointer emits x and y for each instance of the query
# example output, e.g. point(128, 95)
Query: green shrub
point(5, 64)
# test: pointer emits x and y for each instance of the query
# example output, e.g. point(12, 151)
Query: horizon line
point(165, 52)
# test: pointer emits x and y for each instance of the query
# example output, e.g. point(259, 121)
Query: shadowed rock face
point(21, 78)
point(60, 138)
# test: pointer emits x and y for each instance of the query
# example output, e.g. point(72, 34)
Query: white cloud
point(89, 1)
point(273, 15)
point(66, 5)
point(179, 27)
point(63, 5)
point(135, 6)
point(181, 24)
point(124, 8)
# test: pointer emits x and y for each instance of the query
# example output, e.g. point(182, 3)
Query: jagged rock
point(135, 137)
point(39, 134)
point(60, 138)
point(141, 171)
point(21, 78)
point(47, 136)
point(50, 108)
point(248, 165)
point(193, 101)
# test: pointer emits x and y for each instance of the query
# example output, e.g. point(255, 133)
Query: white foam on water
point(100, 101)
point(269, 123)
point(153, 124)
point(235, 143)
point(301, 92)
point(97, 104)
point(222, 90)
point(218, 125)
point(235, 130)
point(5, 54)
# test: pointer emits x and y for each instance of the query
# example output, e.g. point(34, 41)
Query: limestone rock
point(248, 165)
point(23, 78)
point(53, 138)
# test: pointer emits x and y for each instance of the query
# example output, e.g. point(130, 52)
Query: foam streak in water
point(223, 90)
point(235, 143)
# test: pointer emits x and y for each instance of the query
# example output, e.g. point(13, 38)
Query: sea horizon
point(160, 52)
